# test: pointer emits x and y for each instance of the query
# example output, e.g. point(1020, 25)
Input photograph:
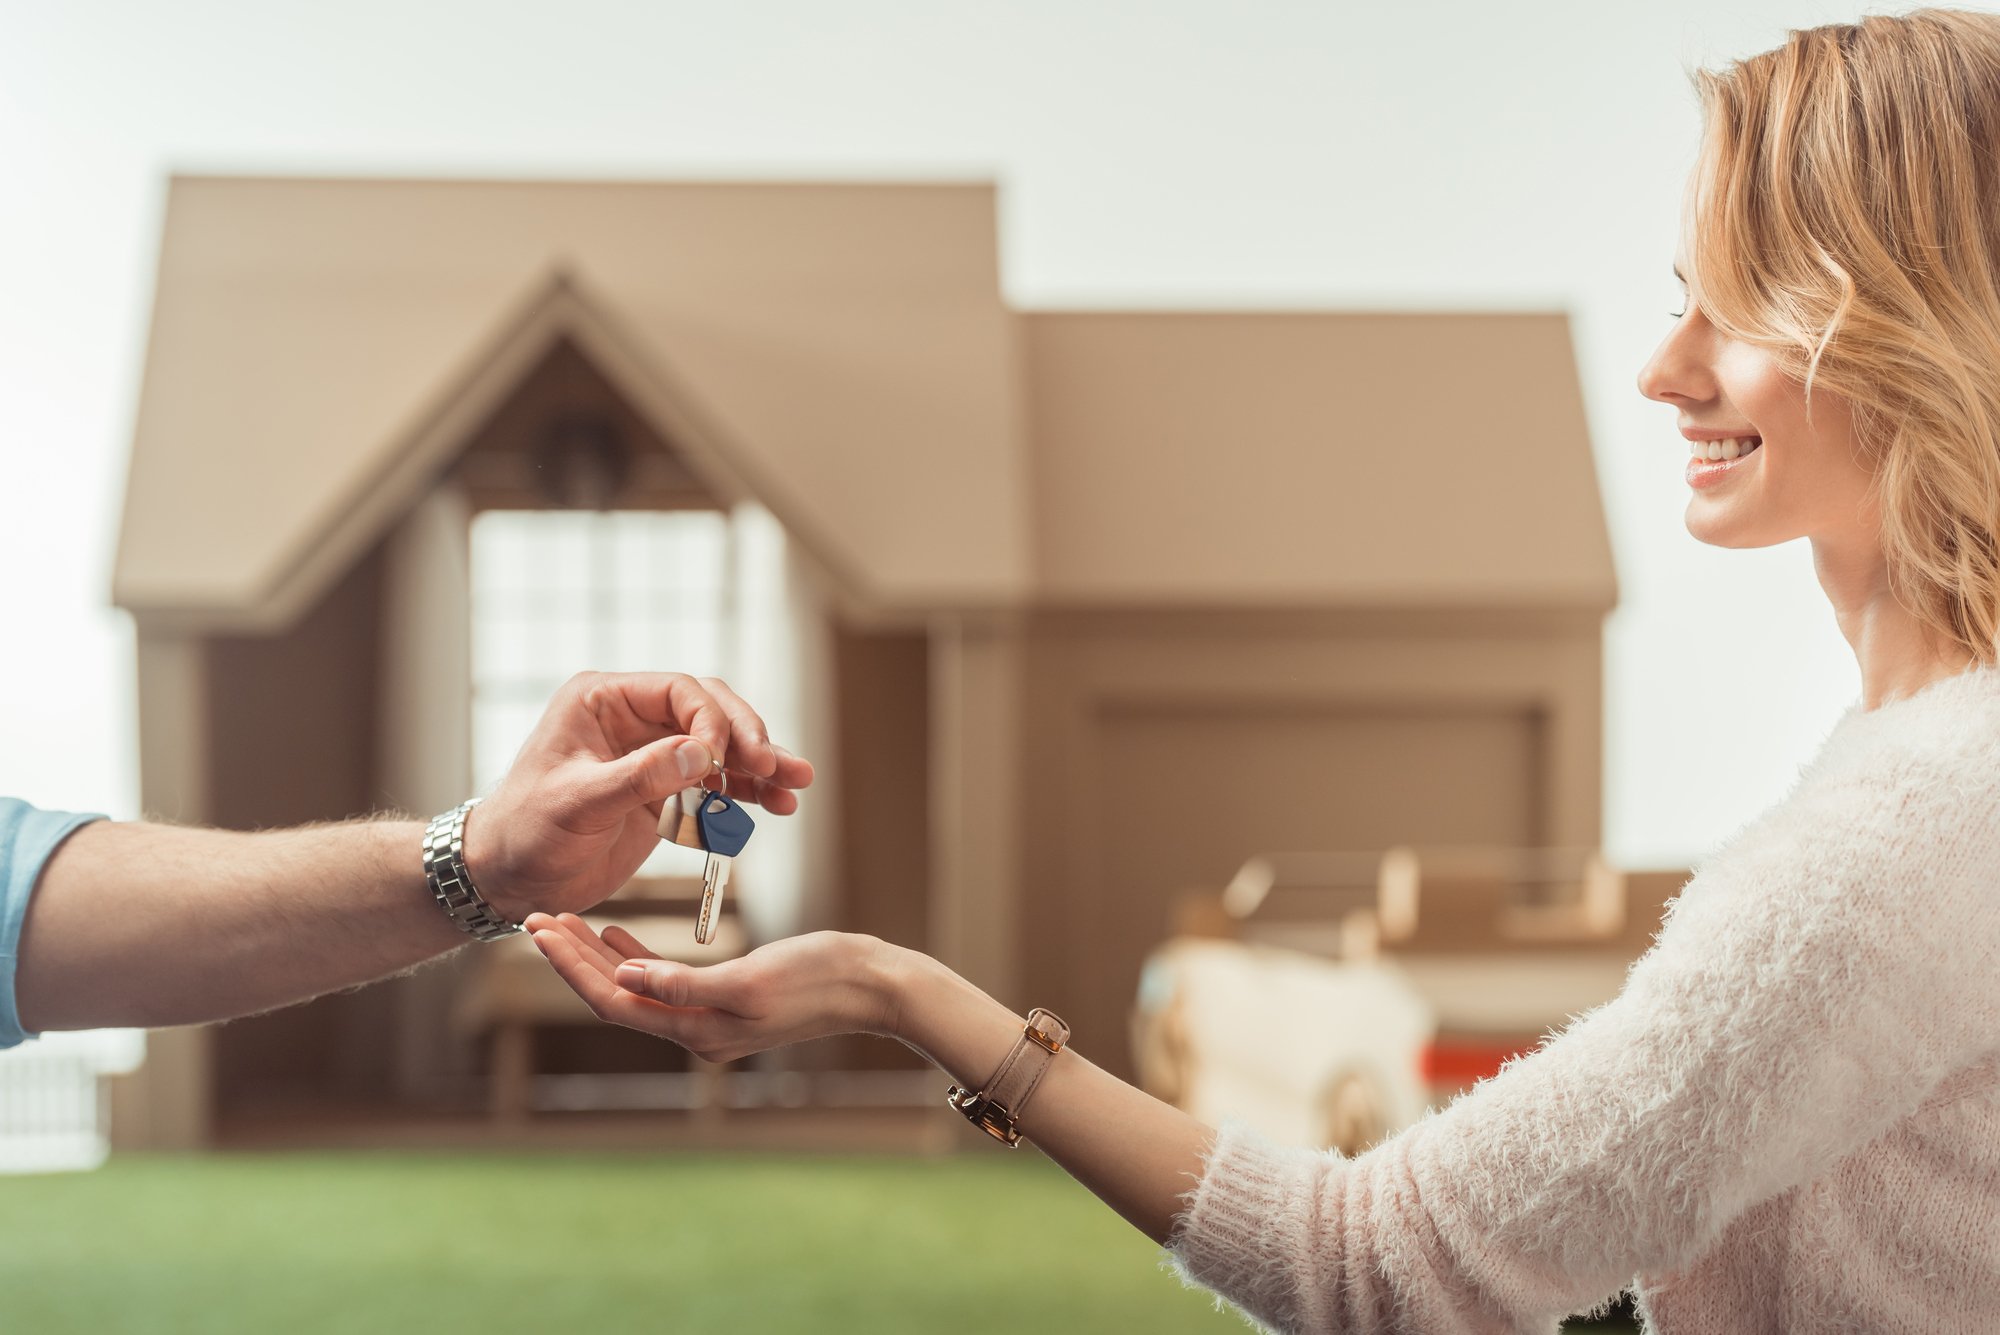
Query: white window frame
point(614, 590)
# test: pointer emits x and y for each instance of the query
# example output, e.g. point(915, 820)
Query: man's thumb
point(661, 769)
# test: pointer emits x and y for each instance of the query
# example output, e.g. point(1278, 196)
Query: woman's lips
point(1712, 472)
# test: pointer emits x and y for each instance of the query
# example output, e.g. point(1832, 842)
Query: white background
point(1447, 155)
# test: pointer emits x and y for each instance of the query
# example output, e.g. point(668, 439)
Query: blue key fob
point(725, 827)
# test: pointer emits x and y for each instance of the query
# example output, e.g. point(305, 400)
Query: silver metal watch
point(450, 883)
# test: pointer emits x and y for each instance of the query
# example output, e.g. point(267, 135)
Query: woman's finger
point(700, 1029)
point(716, 986)
point(547, 922)
point(607, 1001)
point(628, 946)
point(543, 922)
point(588, 942)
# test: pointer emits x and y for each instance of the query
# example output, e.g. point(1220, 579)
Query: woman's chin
point(1723, 525)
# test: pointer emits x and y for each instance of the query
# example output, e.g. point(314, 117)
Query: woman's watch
point(996, 1109)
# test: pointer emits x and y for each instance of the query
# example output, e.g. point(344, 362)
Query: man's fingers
point(632, 708)
point(750, 749)
point(676, 700)
point(777, 800)
point(655, 772)
point(792, 771)
point(658, 770)
point(707, 711)
point(756, 769)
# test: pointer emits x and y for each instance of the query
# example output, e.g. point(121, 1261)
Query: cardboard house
point(1092, 605)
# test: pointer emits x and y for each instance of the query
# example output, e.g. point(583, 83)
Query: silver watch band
point(450, 883)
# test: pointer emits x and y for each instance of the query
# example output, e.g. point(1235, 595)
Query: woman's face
point(1792, 475)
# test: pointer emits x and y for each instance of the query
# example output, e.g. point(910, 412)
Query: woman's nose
point(1677, 371)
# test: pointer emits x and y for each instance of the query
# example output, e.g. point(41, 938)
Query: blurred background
point(1021, 405)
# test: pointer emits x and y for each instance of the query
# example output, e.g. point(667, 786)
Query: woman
point(1790, 1118)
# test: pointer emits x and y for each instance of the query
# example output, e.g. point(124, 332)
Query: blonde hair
point(1846, 214)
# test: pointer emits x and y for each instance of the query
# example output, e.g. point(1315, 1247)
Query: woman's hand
point(579, 808)
point(1135, 1152)
point(801, 988)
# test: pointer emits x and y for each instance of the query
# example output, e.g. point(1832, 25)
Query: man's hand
point(577, 812)
point(136, 924)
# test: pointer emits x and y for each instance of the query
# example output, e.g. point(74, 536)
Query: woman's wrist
point(947, 1020)
point(907, 984)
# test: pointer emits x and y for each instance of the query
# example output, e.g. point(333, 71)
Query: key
point(723, 828)
point(680, 823)
point(677, 814)
point(677, 819)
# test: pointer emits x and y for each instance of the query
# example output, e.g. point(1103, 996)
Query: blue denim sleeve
point(27, 840)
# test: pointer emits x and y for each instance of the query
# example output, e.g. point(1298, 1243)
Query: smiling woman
point(1790, 1117)
point(1770, 460)
point(1843, 257)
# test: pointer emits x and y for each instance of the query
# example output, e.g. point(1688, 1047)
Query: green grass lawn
point(570, 1243)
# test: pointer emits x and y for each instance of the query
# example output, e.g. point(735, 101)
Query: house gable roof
point(319, 346)
point(321, 349)
point(1313, 459)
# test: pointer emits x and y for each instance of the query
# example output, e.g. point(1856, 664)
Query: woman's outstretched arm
point(1141, 1156)
point(1813, 988)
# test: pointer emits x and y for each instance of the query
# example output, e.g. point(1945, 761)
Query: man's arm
point(138, 924)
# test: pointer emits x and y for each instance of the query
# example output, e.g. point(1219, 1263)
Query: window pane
point(498, 729)
point(556, 592)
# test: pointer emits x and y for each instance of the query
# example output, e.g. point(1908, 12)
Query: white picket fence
point(53, 1114)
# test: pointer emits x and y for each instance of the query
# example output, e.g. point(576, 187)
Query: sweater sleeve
point(1812, 985)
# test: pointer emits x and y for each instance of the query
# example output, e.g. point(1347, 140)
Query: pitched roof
point(321, 349)
point(1318, 459)
point(316, 344)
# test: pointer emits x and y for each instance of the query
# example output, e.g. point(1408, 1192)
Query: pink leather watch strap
point(997, 1108)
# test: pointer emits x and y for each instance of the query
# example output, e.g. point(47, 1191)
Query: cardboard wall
point(292, 742)
point(1172, 748)
point(882, 726)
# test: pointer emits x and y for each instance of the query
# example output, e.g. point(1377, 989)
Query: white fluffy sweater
point(1788, 1121)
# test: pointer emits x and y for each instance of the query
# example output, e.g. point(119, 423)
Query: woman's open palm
point(789, 991)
